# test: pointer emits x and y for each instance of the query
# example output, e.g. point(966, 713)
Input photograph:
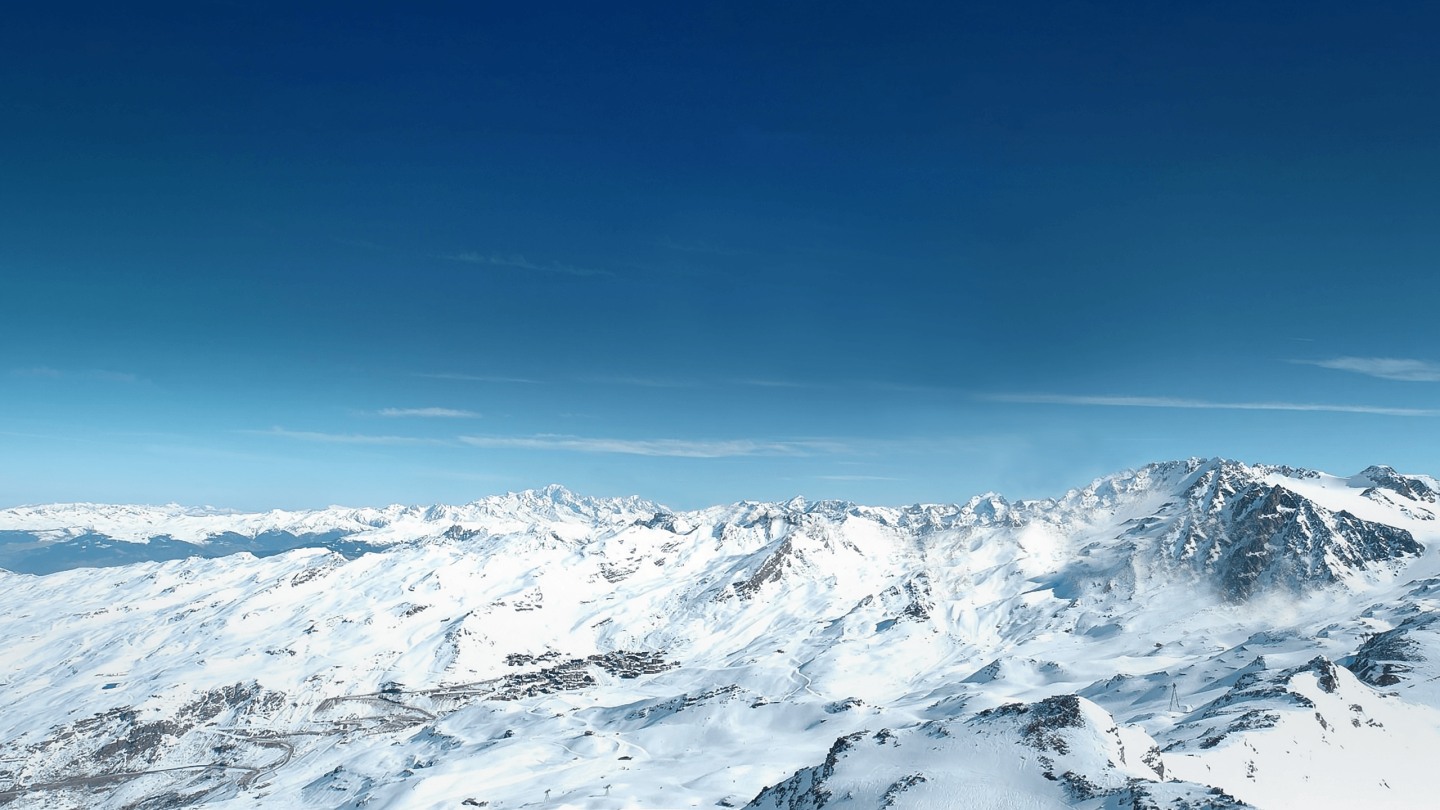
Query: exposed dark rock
point(844, 705)
point(250, 698)
point(806, 789)
point(1385, 657)
point(1177, 796)
point(660, 520)
point(113, 746)
point(1249, 721)
point(1154, 760)
point(1043, 720)
point(1079, 787)
point(1415, 488)
point(769, 571)
point(1249, 536)
point(1325, 674)
point(892, 793)
point(461, 534)
point(616, 573)
point(682, 702)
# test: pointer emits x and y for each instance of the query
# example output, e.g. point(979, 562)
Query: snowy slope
point(1177, 635)
point(137, 524)
point(45, 539)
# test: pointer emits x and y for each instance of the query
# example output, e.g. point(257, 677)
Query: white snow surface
point(138, 524)
point(1199, 633)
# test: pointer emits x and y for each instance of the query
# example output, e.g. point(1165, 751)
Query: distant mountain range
point(1199, 633)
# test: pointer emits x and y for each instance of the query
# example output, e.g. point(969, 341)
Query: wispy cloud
point(643, 382)
point(102, 375)
point(856, 478)
point(488, 378)
point(1386, 368)
point(38, 371)
point(762, 383)
point(522, 263)
point(437, 413)
point(345, 438)
point(1201, 404)
point(670, 382)
point(674, 448)
point(630, 380)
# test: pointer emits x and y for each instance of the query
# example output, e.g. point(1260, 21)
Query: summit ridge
point(1196, 633)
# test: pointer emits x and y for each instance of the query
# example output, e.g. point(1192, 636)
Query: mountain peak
point(1251, 533)
point(557, 502)
point(597, 641)
point(1415, 487)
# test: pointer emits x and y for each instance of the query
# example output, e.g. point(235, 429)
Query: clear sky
point(291, 254)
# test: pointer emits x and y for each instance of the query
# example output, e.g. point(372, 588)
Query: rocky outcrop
point(1384, 659)
point(1062, 749)
point(1414, 487)
point(1249, 536)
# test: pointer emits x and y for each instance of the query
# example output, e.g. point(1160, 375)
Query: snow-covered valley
point(1202, 633)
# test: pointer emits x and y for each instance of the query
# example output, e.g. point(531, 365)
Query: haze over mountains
point(1200, 633)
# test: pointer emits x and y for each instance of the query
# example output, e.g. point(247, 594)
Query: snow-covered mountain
point(1201, 633)
point(54, 537)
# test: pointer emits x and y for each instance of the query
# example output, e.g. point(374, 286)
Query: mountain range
point(1189, 634)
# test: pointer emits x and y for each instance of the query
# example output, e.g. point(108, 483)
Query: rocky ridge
point(1200, 633)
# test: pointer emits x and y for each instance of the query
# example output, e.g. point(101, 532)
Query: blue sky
point(256, 255)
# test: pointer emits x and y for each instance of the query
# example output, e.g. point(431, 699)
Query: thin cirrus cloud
point(345, 438)
point(642, 382)
point(1201, 404)
point(677, 382)
point(1386, 368)
point(522, 263)
point(429, 413)
point(769, 383)
point(673, 448)
point(626, 380)
point(485, 378)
